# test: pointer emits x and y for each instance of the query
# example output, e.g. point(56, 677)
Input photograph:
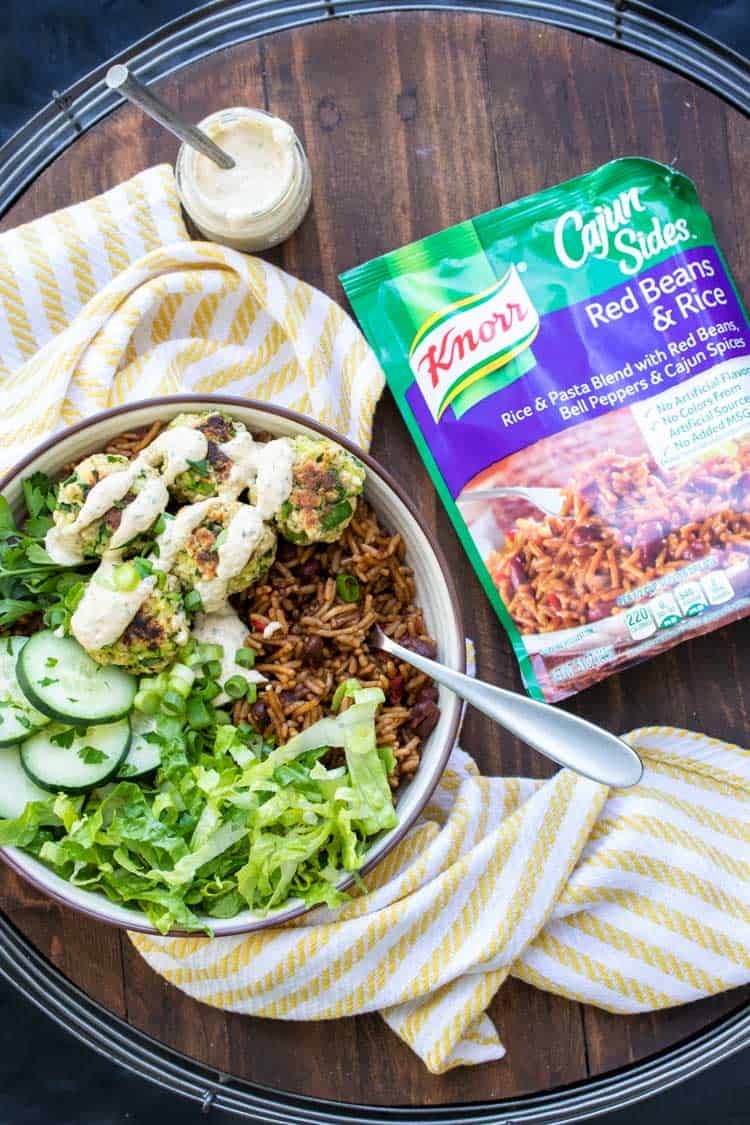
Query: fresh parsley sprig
point(30, 581)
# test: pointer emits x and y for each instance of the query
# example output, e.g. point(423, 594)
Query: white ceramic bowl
point(435, 594)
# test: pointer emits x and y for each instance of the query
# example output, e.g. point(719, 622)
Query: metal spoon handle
point(565, 738)
point(120, 79)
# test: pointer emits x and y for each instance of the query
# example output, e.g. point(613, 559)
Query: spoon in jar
point(565, 738)
point(120, 79)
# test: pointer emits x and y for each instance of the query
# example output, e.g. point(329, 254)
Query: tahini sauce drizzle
point(274, 480)
point(141, 512)
point(106, 611)
point(269, 465)
point(243, 535)
point(167, 456)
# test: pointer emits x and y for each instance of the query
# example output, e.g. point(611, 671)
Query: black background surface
point(46, 1076)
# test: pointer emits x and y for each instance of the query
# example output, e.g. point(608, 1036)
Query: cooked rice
point(323, 641)
point(624, 523)
point(299, 594)
point(132, 442)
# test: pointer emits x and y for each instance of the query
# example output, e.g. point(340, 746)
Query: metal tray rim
point(111, 1036)
point(628, 24)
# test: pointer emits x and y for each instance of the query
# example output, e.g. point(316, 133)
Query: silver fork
point(547, 500)
point(565, 738)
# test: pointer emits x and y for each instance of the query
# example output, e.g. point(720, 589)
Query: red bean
point(518, 576)
point(308, 572)
point(312, 651)
point(650, 530)
point(427, 694)
point(597, 610)
point(292, 695)
point(585, 533)
point(423, 646)
point(650, 538)
point(424, 717)
point(395, 690)
point(259, 712)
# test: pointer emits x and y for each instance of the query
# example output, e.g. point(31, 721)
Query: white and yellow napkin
point(109, 301)
point(631, 900)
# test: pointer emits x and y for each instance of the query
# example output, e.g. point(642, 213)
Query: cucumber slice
point(17, 789)
point(143, 755)
point(18, 719)
point(75, 760)
point(59, 678)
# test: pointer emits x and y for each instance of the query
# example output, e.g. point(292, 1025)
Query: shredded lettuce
point(227, 822)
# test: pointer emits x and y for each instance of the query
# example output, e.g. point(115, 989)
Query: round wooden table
point(414, 121)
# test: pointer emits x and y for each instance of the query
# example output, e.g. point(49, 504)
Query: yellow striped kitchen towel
point(109, 302)
point(629, 900)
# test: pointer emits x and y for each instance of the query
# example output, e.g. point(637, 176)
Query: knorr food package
point(575, 371)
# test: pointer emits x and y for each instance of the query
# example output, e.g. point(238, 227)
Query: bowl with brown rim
point(435, 594)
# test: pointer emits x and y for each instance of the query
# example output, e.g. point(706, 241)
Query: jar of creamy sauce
point(260, 201)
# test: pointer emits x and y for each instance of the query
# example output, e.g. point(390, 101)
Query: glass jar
point(260, 201)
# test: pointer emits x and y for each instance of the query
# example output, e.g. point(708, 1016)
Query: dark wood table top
point(414, 121)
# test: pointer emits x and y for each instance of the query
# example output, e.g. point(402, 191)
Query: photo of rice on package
point(574, 369)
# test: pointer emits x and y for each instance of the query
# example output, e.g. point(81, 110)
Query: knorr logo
point(468, 339)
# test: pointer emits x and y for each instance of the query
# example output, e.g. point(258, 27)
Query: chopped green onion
point(161, 683)
point(245, 657)
point(347, 588)
point(198, 715)
point(221, 538)
point(213, 668)
point(147, 701)
point(336, 515)
point(126, 577)
point(210, 652)
point(236, 687)
point(221, 718)
point(144, 567)
point(181, 679)
point(193, 602)
point(160, 525)
point(200, 467)
point(172, 703)
point(252, 693)
point(181, 670)
point(208, 690)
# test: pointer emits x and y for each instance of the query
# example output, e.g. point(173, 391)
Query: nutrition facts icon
point(665, 610)
point(691, 598)
point(717, 587)
point(640, 623)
